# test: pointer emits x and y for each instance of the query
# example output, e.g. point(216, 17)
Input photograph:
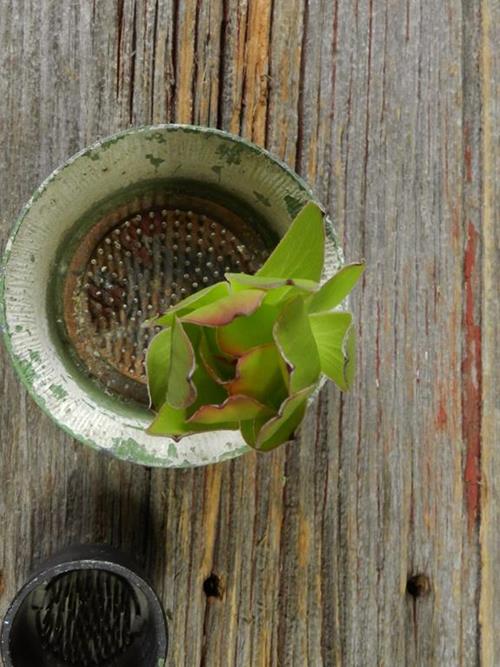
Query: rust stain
point(441, 417)
point(471, 382)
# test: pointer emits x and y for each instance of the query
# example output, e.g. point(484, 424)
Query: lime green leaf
point(157, 366)
point(281, 428)
point(258, 375)
point(246, 332)
point(172, 422)
point(227, 309)
point(239, 281)
point(192, 302)
point(181, 391)
point(335, 290)
point(331, 333)
point(300, 253)
point(250, 429)
point(295, 340)
point(234, 408)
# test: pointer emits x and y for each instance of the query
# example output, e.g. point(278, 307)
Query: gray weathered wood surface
point(390, 109)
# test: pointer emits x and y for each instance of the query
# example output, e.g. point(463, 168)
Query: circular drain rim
point(152, 153)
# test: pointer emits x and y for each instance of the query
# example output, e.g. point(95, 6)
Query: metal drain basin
point(133, 264)
point(114, 236)
point(87, 607)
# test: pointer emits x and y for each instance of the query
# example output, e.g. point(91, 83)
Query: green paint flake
point(130, 450)
point(227, 456)
point(231, 154)
point(32, 258)
point(27, 370)
point(159, 137)
point(155, 161)
point(94, 156)
point(58, 391)
point(262, 199)
point(35, 356)
point(18, 328)
point(172, 450)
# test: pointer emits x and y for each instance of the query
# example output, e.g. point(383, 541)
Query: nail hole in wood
point(418, 585)
point(213, 587)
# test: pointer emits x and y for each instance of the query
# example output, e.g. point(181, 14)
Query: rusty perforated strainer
point(137, 261)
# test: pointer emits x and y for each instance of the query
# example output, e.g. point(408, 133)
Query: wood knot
point(418, 585)
point(213, 587)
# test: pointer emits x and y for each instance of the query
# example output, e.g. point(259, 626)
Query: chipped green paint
point(32, 258)
point(172, 450)
point(58, 391)
point(94, 155)
point(130, 450)
point(262, 199)
point(159, 137)
point(230, 153)
point(34, 356)
point(18, 328)
point(155, 161)
point(27, 370)
point(233, 453)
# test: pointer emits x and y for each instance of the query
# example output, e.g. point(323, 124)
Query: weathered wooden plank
point(490, 339)
point(389, 110)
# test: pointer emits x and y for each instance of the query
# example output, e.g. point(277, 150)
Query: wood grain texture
point(390, 110)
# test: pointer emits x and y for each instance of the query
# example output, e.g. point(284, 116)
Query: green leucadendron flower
point(248, 352)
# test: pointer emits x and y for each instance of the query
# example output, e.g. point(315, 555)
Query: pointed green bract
point(234, 408)
point(248, 353)
point(250, 429)
point(239, 281)
point(225, 310)
point(158, 367)
point(172, 422)
point(203, 297)
point(294, 338)
point(244, 333)
point(181, 391)
point(258, 375)
point(330, 331)
point(281, 428)
point(300, 253)
point(335, 290)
